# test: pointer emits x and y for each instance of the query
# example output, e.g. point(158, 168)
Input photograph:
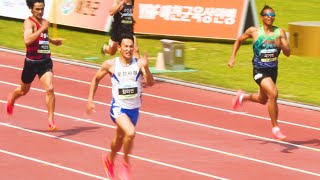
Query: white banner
point(18, 9)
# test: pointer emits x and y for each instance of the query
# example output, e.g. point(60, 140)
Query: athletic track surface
point(183, 133)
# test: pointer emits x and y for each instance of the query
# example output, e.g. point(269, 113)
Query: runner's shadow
point(288, 148)
point(70, 132)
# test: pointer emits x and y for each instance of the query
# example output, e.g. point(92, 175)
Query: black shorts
point(32, 68)
point(259, 74)
point(116, 35)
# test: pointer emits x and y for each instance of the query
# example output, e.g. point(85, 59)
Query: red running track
point(183, 133)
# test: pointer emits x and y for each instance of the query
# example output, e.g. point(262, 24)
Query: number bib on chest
point(128, 90)
point(268, 55)
point(43, 47)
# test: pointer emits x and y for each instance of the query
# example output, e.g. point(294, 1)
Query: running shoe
point(278, 135)
point(108, 167)
point(10, 106)
point(52, 127)
point(237, 100)
point(125, 173)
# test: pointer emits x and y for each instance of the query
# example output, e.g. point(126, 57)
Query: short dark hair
point(126, 36)
point(264, 8)
point(30, 3)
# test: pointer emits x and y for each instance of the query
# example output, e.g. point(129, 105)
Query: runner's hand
point(144, 60)
point(45, 24)
point(277, 43)
point(56, 42)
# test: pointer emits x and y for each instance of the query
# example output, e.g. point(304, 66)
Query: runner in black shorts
point(122, 24)
point(261, 73)
point(268, 42)
point(38, 59)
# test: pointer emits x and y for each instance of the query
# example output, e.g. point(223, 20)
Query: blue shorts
point(116, 111)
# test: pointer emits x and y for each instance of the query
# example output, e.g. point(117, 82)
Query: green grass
point(298, 78)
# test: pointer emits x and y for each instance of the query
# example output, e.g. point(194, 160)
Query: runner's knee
point(22, 91)
point(130, 134)
point(50, 90)
point(273, 95)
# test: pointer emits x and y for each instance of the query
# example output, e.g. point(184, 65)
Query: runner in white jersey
point(126, 74)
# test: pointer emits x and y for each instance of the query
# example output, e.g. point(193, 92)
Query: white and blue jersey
point(126, 85)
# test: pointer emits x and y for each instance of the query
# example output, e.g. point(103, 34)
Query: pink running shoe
point(278, 135)
point(125, 172)
point(10, 106)
point(237, 100)
point(108, 167)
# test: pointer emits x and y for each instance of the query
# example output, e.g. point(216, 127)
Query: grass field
point(298, 78)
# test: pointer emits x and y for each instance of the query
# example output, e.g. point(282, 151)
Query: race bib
point(43, 47)
point(128, 91)
point(268, 55)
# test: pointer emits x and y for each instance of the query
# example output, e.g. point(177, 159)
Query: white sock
point(275, 129)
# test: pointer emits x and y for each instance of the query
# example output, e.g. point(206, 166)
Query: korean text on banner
point(218, 19)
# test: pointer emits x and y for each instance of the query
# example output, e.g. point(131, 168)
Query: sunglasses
point(270, 14)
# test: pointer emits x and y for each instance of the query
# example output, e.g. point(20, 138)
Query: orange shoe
point(236, 102)
point(10, 106)
point(108, 167)
point(52, 127)
point(125, 172)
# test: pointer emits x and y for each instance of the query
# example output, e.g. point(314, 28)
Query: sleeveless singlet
point(265, 52)
point(126, 84)
point(123, 20)
point(39, 49)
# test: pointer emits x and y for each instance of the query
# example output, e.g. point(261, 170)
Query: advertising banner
point(92, 14)
point(219, 19)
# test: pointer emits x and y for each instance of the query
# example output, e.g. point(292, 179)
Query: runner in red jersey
point(38, 59)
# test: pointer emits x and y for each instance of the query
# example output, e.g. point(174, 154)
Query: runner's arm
point(104, 69)
point(284, 44)
point(144, 63)
point(247, 34)
point(29, 35)
point(56, 42)
point(116, 7)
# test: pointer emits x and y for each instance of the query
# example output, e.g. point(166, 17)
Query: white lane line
point(104, 149)
point(50, 164)
point(184, 102)
point(179, 142)
point(182, 120)
point(176, 82)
